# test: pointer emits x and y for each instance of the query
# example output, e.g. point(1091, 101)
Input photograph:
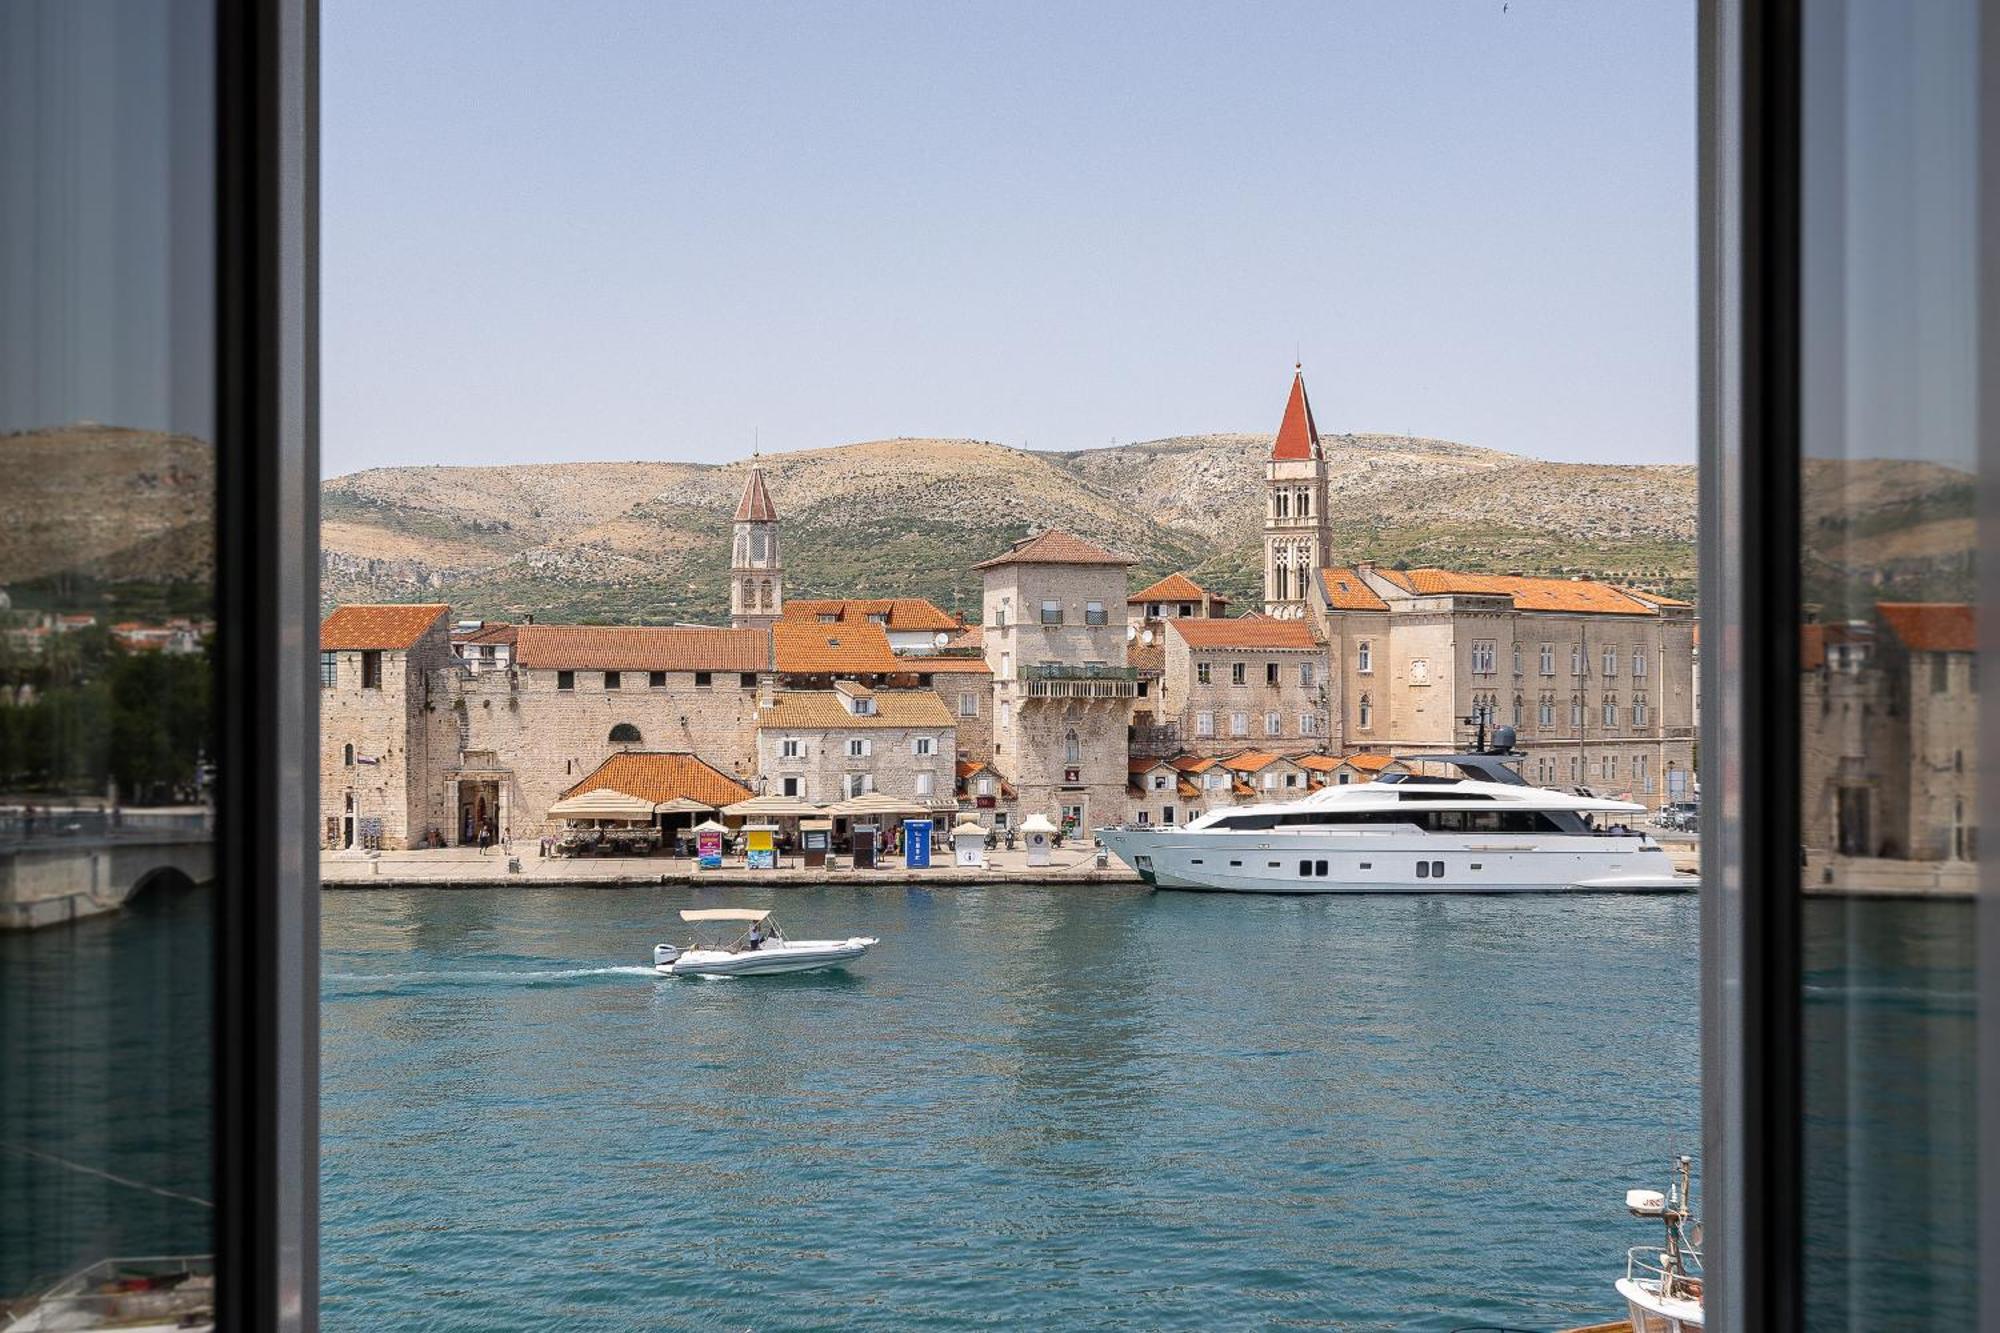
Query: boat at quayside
point(760, 950)
point(1484, 831)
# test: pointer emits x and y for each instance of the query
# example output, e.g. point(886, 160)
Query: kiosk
point(760, 846)
point(815, 838)
point(968, 844)
point(917, 845)
point(708, 844)
point(863, 838)
point(1040, 836)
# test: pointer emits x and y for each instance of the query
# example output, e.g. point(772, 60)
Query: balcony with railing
point(1079, 680)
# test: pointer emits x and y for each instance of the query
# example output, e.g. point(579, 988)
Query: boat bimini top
point(749, 914)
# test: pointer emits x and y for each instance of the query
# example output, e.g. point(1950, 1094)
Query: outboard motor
point(663, 954)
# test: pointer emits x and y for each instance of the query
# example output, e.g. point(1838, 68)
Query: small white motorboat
point(761, 950)
point(1662, 1286)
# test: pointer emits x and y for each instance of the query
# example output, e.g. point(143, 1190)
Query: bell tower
point(756, 569)
point(1296, 531)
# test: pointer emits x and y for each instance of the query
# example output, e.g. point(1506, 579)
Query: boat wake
point(389, 983)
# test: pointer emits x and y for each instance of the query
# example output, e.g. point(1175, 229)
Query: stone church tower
point(1296, 536)
point(756, 570)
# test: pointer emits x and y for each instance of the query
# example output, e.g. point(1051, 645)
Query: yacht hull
point(772, 960)
point(1393, 862)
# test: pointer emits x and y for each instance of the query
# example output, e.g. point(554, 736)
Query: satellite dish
point(942, 639)
point(1147, 637)
point(1131, 633)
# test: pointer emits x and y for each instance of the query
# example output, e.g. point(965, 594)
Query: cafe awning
point(775, 807)
point(603, 803)
point(878, 803)
point(683, 805)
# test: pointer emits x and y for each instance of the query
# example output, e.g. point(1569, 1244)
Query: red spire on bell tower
point(1298, 437)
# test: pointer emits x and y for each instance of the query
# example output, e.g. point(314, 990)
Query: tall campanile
point(1296, 536)
point(756, 570)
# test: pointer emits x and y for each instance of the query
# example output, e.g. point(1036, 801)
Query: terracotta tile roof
point(387, 626)
point(949, 665)
point(1147, 656)
point(640, 648)
point(1318, 763)
point(1298, 436)
point(1243, 632)
point(822, 710)
point(904, 613)
point(1656, 598)
point(1175, 587)
point(1346, 590)
point(659, 777)
point(1145, 765)
point(1932, 627)
point(1251, 761)
point(1055, 547)
point(808, 648)
point(853, 689)
point(974, 637)
point(1190, 763)
point(492, 631)
point(971, 768)
point(755, 506)
point(1531, 594)
point(1187, 790)
point(1371, 763)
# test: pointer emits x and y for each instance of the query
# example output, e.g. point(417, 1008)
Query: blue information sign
point(917, 845)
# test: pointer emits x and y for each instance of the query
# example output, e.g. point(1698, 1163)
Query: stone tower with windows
point(756, 569)
point(1296, 537)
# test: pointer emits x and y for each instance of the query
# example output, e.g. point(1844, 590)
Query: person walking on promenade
point(485, 837)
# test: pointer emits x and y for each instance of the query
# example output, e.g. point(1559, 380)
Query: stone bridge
point(65, 875)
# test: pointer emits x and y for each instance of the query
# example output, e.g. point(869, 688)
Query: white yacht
point(1485, 831)
point(761, 949)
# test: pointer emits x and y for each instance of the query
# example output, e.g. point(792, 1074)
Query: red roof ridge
point(1298, 436)
point(756, 506)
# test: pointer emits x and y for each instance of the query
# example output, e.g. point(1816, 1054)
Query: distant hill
point(107, 502)
point(649, 541)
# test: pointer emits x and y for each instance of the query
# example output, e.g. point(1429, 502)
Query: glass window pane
point(1889, 707)
point(107, 374)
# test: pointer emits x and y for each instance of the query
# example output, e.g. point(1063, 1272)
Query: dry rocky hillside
point(648, 541)
point(105, 501)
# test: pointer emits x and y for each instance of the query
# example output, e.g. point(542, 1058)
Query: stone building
point(383, 734)
point(1232, 684)
point(1054, 639)
point(1890, 762)
point(912, 624)
point(578, 694)
point(483, 645)
point(1175, 597)
point(756, 568)
point(829, 745)
point(1297, 540)
point(1594, 678)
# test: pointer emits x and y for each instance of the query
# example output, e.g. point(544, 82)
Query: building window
point(1052, 613)
point(926, 745)
point(1639, 710)
point(1485, 658)
point(1282, 499)
point(1610, 711)
point(1006, 715)
point(1576, 659)
point(1517, 659)
point(1187, 609)
point(858, 747)
point(1639, 663)
point(924, 783)
point(1204, 723)
point(1308, 724)
point(1517, 710)
point(704, 679)
point(1306, 674)
point(1576, 711)
point(329, 670)
point(656, 680)
point(624, 734)
point(1093, 613)
point(1270, 673)
point(1610, 661)
point(347, 756)
point(791, 787)
point(371, 669)
point(611, 680)
point(985, 786)
point(791, 747)
point(968, 704)
point(1072, 748)
point(856, 784)
point(1238, 673)
point(1152, 611)
point(1545, 711)
point(1203, 673)
point(864, 707)
point(1611, 767)
point(747, 679)
point(1239, 724)
point(1364, 657)
point(1365, 713)
point(1006, 665)
point(1548, 659)
point(565, 680)
point(1000, 616)
point(1274, 724)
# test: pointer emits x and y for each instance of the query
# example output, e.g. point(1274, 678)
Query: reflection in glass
point(107, 370)
point(1890, 687)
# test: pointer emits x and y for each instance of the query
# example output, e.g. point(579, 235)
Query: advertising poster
point(709, 845)
point(917, 845)
point(762, 852)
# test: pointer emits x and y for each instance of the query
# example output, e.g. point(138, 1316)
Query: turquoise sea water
point(1028, 1108)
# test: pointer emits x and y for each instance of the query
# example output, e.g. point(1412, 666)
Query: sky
point(667, 231)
